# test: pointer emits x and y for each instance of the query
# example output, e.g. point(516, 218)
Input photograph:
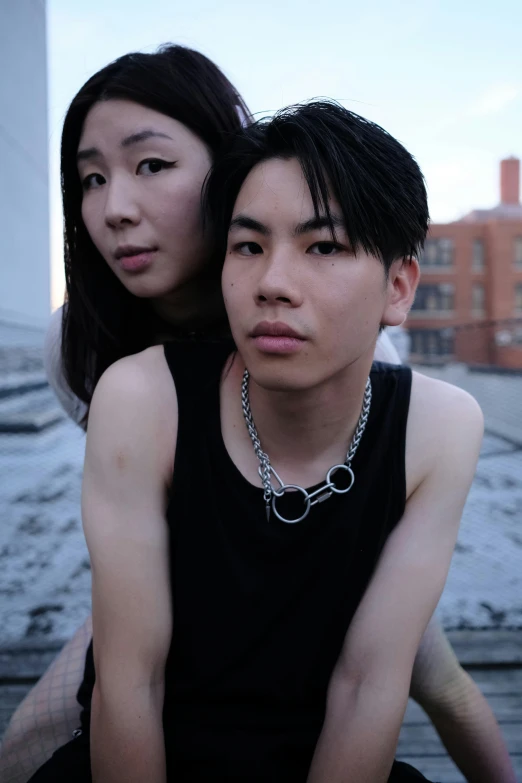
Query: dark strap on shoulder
point(195, 365)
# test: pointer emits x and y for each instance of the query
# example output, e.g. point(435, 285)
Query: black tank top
point(261, 608)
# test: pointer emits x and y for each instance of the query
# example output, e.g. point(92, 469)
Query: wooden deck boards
point(493, 659)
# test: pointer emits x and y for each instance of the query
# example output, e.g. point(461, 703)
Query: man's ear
point(403, 279)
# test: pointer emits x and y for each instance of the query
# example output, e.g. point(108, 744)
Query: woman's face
point(142, 173)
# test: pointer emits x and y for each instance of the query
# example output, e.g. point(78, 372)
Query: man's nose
point(279, 281)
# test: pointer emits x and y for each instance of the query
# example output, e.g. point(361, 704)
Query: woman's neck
point(193, 307)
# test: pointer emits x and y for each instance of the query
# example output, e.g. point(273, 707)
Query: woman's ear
point(403, 279)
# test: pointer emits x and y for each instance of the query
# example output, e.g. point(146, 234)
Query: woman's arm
point(49, 712)
point(48, 715)
point(52, 357)
point(458, 710)
point(128, 469)
point(385, 351)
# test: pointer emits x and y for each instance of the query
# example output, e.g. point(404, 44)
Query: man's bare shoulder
point(443, 399)
point(134, 378)
point(445, 423)
point(134, 408)
point(142, 380)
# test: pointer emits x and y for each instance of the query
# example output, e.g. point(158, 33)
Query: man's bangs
point(377, 184)
point(327, 183)
point(320, 189)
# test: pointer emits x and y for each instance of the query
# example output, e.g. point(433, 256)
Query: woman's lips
point(137, 262)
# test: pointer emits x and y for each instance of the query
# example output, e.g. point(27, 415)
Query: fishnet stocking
point(48, 715)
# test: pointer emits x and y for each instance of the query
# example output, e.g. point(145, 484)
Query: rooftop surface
point(45, 574)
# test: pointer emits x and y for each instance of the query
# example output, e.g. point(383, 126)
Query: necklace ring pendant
point(311, 498)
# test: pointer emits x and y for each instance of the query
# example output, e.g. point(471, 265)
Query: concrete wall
point(24, 183)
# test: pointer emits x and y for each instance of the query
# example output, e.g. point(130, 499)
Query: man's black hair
point(377, 183)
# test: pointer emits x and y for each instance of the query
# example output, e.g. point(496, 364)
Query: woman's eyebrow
point(143, 135)
point(135, 138)
point(88, 154)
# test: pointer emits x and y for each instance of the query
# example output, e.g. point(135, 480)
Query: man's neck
point(304, 433)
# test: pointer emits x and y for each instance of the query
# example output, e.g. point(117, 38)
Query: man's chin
point(280, 379)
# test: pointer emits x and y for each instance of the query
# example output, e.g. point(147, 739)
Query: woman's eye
point(325, 249)
point(153, 166)
point(92, 181)
point(248, 248)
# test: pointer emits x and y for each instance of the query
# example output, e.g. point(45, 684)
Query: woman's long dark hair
point(102, 321)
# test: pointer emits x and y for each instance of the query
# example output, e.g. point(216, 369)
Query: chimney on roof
point(510, 181)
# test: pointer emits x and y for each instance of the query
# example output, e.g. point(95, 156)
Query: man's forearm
point(127, 737)
point(360, 734)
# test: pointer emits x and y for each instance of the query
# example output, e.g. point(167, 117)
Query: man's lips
point(277, 338)
point(275, 329)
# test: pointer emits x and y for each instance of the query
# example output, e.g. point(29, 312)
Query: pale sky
point(443, 76)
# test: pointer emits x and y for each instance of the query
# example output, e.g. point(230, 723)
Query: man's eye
point(153, 166)
point(92, 181)
point(325, 249)
point(248, 248)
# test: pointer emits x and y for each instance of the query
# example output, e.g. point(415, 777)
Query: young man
point(270, 529)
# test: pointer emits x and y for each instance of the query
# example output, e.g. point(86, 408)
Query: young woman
point(138, 141)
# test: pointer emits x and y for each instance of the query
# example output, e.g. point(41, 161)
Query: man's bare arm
point(369, 687)
point(128, 466)
point(460, 713)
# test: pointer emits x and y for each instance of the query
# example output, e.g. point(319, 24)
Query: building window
point(478, 299)
point(477, 262)
point(432, 343)
point(518, 252)
point(505, 337)
point(518, 299)
point(438, 253)
point(431, 299)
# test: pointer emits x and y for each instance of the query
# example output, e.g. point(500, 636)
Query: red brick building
point(468, 306)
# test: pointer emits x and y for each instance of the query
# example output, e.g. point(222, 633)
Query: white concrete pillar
point(24, 177)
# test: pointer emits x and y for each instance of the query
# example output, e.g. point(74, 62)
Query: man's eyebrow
point(134, 138)
point(317, 223)
point(243, 221)
point(313, 224)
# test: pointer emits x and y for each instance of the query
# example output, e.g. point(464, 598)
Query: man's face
point(302, 307)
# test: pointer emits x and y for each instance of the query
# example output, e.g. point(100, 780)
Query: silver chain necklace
point(328, 488)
